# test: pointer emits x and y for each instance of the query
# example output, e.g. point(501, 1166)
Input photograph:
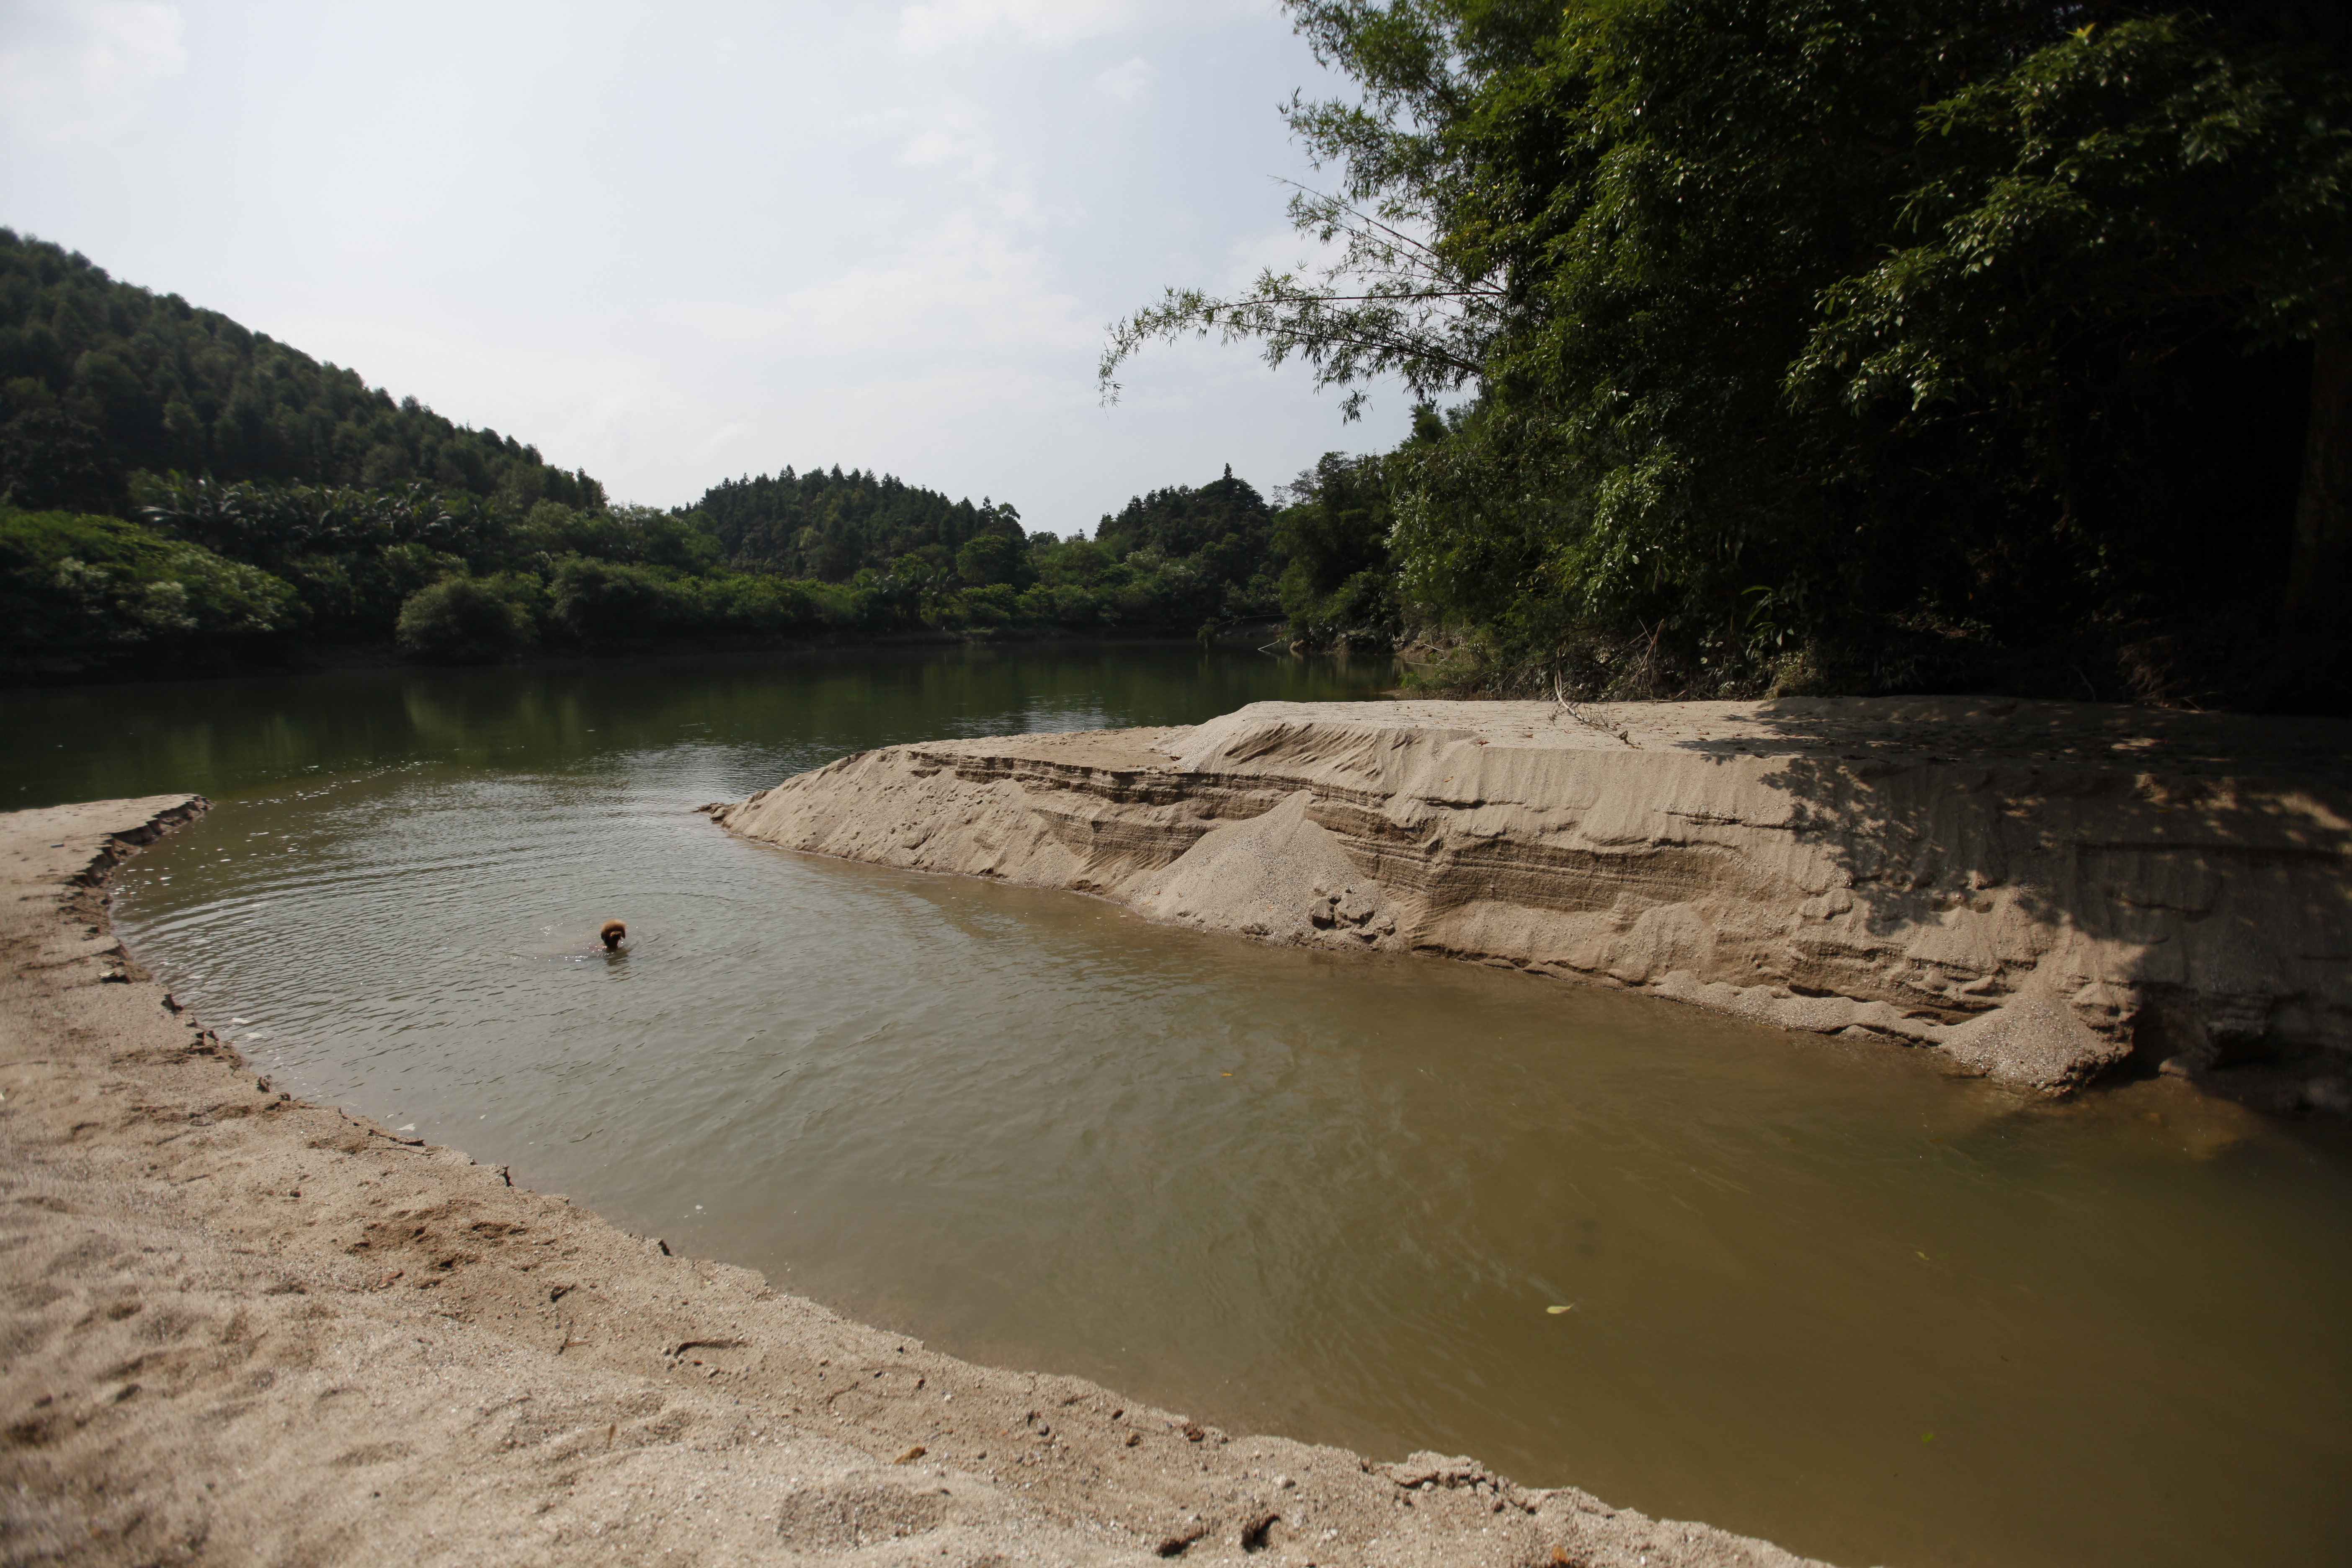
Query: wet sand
point(242, 1328)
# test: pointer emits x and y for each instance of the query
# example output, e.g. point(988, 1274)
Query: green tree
point(100, 379)
point(830, 525)
point(599, 603)
point(78, 589)
point(1183, 520)
point(461, 620)
point(992, 558)
point(1818, 321)
point(1333, 537)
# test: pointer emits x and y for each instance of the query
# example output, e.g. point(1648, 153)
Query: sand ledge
point(2038, 891)
point(246, 1329)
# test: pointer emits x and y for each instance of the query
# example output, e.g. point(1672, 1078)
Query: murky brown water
point(1817, 1293)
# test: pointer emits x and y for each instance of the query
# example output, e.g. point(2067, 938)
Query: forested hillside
point(100, 379)
point(827, 525)
point(180, 494)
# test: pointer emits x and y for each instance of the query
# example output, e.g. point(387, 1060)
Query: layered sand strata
point(241, 1328)
point(2038, 891)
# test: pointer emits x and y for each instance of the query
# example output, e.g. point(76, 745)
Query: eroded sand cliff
point(240, 1329)
point(2036, 891)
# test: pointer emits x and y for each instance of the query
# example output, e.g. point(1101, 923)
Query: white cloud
point(968, 287)
point(1123, 83)
point(719, 438)
point(956, 138)
point(935, 25)
point(77, 68)
point(931, 25)
point(949, 132)
point(1276, 250)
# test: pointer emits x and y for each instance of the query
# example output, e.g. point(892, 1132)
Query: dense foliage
point(323, 514)
point(1196, 556)
point(829, 525)
point(75, 589)
point(1858, 347)
point(213, 574)
point(100, 379)
point(1175, 560)
point(216, 575)
point(1180, 560)
point(1340, 579)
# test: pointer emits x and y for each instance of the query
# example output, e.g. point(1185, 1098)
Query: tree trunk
point(2313, 643)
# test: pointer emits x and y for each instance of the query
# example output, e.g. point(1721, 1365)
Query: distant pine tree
point(830, 525)
point(1183, 520)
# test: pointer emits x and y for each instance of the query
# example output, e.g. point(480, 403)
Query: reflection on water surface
point(1816, 1291)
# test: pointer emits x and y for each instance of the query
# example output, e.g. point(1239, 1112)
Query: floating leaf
point(1556, 1311)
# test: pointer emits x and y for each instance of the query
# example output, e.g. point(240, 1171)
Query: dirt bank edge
point(2039, 892)
point(242, 1328)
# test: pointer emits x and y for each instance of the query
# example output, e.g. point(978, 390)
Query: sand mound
point(1280, 876)
point(2037, 890)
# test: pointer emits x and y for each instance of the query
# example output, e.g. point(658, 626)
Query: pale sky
point(680, 242)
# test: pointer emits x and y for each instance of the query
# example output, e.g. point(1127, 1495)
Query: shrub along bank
point(209, 575)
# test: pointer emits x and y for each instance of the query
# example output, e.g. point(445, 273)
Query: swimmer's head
point(612, 931)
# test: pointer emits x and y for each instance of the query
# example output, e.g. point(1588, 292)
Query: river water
point(1814, 1291)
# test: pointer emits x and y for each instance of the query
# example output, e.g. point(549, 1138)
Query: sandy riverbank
point(241, 1328)
point(2039, 892)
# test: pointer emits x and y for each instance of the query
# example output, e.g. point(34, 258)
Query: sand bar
point(2042, 893)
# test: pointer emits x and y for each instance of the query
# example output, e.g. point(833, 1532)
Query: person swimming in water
point(612, 933)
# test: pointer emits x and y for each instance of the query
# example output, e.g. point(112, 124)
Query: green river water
point(1820, 1292)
